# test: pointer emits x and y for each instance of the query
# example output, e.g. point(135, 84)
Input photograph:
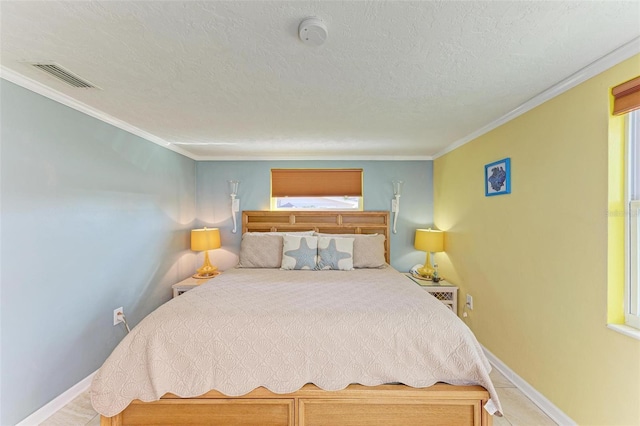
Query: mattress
point(249, 328)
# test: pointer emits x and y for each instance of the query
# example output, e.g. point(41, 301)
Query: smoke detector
point(313, 32)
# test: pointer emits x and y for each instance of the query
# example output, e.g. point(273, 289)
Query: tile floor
point(518, 409)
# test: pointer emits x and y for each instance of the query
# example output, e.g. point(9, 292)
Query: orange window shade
point(316, 182)
point(626, 96)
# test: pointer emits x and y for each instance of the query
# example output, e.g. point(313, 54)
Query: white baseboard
point(57, 403)
point(536, 397)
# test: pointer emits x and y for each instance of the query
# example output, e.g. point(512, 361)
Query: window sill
point(634, 333)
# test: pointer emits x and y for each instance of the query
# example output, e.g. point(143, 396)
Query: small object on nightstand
point(435, 277)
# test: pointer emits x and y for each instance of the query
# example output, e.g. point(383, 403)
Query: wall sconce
point(235, 203)
point(395, 203)
point(429, 240)
point(204, 240)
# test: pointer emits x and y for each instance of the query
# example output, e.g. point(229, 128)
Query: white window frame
point(274, 205)
point(632, 222)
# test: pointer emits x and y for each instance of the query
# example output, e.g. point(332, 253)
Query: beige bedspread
point(282, 329)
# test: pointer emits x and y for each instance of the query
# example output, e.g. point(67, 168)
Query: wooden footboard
point(388, 405)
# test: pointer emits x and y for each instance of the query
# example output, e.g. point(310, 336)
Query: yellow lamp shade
point(429, 240)
point(205, 239)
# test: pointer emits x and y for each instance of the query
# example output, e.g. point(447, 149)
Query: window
point(632, 184)
point(316, 189)
point(317, 203)
point(624, 195)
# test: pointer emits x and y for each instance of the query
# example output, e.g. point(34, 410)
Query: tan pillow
point(368, 249)
point(260, 250)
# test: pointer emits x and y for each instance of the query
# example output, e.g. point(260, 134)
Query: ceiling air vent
point(61, 74)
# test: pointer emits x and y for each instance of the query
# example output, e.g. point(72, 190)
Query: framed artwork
point(497, 177)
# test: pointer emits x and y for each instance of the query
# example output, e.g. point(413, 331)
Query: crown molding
point(54, 95)
point(600, 65)
point(60, 97)
point(622, 53)
point(317, 158)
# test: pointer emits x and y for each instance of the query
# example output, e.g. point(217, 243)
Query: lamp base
point(425, 272)
point(205, 277)
point(207, 270)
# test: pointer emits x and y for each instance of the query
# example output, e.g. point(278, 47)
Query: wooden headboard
point(329, 222)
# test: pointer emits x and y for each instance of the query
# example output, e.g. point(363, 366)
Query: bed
point(264, 346)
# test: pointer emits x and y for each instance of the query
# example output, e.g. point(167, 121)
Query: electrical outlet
point(117, 319)
point(470, 302)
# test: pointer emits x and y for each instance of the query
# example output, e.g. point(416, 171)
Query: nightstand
point(187, 284)
point(443, 291)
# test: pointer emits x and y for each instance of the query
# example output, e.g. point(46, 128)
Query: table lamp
point(204, 240)
point(429, 240)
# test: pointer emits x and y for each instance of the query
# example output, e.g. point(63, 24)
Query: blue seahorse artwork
point(497, 178)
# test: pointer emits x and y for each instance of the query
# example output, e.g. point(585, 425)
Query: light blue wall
point(416, 202)
point(93, 218)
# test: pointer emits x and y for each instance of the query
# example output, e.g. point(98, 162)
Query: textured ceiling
point(231, 79)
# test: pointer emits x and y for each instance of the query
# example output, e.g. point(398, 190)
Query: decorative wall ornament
point(497, 177)
point(395, 203)
point(235, 203)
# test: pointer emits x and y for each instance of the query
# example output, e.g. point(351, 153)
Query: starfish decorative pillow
point(299, 252)
point(335, 253)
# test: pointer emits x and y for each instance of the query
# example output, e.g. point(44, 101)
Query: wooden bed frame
point(357, 405)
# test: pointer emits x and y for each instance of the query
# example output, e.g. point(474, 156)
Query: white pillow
point(299, 252)
point(335, 253)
